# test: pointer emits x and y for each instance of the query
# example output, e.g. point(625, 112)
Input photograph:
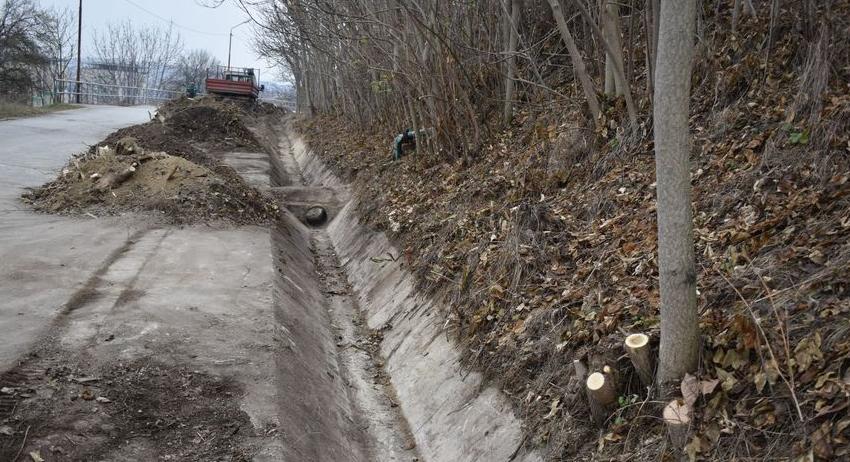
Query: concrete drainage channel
point(367, 364)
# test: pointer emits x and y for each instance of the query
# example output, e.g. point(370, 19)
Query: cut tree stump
point(637, 346)
point(601, 395)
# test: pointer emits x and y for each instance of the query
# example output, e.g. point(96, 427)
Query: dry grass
point(17, 110)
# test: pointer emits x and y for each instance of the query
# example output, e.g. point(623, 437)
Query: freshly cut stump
point(637, 346)
point(316, 216)
point(601, 396)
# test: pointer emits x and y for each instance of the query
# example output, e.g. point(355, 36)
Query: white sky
point(199, 26)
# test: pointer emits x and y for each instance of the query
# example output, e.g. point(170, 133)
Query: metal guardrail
point(101, 93)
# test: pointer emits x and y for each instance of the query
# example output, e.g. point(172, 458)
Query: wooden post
point(637, 346)
point(601, 396)
point(677, 417)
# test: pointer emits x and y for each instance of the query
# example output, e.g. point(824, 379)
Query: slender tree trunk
point(618, 67)
point(610, 15)
point(610, 86)
point(736, 12)
point(511, 50)
point(577, 60)
point(651, 26)
point(679, 351)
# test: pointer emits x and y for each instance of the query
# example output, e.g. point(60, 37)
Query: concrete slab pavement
point(44, 258)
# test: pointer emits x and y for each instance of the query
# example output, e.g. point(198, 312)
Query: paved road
point(34, 149)
point(43, 258)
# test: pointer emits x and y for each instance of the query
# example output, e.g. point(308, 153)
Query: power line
point(218, 34)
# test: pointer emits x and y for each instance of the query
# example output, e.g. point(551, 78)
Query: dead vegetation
point(543, 245)
point(165, 166)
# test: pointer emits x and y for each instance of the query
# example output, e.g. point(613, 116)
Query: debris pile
point(166, 166)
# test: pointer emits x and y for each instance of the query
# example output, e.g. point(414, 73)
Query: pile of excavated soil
point(113, 181)
point(192, 128)
point(166, 166)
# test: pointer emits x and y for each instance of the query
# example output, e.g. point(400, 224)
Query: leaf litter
point(543, 248)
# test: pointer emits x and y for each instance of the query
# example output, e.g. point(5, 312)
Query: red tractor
point(239, 82)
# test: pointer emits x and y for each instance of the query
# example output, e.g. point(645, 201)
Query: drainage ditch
point(367, 363)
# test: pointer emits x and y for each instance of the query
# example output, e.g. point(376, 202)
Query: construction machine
point(234, 82)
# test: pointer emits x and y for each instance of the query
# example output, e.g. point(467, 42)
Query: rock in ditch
point(316, 216)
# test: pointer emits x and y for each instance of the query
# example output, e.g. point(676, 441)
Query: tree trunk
point(610, 15)
point(618, 67)
point(577, 60)
point(736, 12)
point(511, 61)
point(651, 27)
point(679, 351)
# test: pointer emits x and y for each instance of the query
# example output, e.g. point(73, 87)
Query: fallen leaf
point(808, 351)
point(553, 409)
point(690, 389)
point(760, 379)
point(36, 456)
point(708, 386)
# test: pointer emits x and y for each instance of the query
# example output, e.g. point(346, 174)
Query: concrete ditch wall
point(452, 414)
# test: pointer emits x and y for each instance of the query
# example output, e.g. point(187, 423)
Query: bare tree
point(193, 66)
point(577, 59)
point(21, 29)
point(609, 14)
point(512, 16)
point(679, 351)
point(58, 43)
point(133, 56)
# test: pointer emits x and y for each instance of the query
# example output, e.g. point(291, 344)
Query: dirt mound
point(191, 128)
point(129, 178)
point(76, 411)
point(165, 165)
point(207, 120)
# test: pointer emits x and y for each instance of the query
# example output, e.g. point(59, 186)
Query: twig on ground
point(23, 444)
point(749, 307)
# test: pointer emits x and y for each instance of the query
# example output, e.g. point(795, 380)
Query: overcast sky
point(199, 26)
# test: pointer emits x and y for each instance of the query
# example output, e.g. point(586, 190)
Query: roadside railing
point(67, 91)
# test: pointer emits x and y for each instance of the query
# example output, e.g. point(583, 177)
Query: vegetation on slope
point(541, 236)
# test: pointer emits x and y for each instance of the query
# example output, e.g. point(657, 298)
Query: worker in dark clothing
point(406, 138)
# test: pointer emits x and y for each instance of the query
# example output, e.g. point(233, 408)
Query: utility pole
point(79, 44)
point(230, 44)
